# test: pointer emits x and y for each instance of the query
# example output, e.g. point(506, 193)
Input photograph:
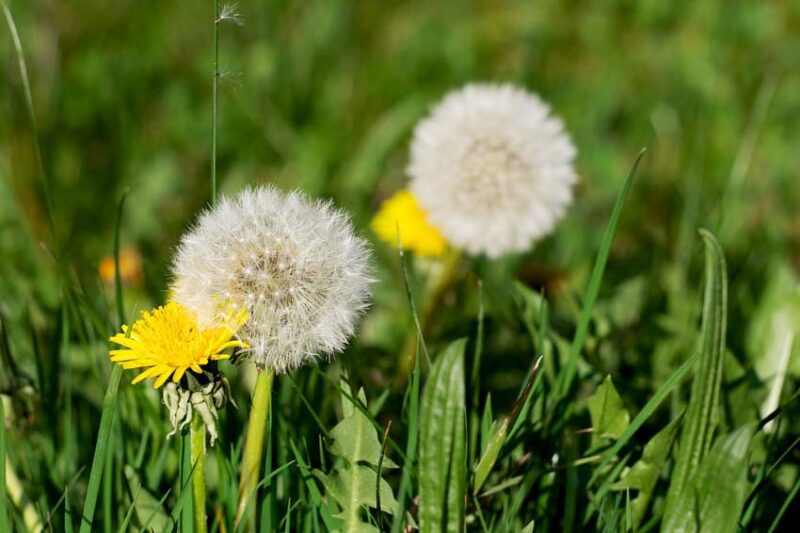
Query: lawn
point(632, 365)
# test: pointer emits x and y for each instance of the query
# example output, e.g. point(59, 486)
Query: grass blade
point(582, 331)
point(109, 401)
point(4, 524)
point(702, 412)
point(411, 447)
point(501, 431)
point(789, 499)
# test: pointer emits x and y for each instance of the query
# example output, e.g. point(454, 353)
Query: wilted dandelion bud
point(294, 265)
point(206, 400)
point(492, 168)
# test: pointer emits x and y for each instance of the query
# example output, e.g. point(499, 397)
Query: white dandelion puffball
point(295, 265)
point(492, 168)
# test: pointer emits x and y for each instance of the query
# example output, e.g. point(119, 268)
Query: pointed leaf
point(644, 474)
point(355, 438)
point(609, 416)
point(353, 486)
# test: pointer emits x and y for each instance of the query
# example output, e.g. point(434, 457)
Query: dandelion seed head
point(298, 269)
point(492, 168)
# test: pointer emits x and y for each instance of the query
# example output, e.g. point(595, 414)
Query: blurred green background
point(322, 96)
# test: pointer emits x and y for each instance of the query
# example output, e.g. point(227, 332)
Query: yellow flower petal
point(402, 213)
point(167, 342)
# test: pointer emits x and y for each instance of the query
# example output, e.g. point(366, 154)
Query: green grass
point(102, 98)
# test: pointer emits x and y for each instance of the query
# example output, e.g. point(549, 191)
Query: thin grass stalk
point(197, 432)
point(4, 524)
point(109, 401)
point(593, 289)
point(254, 441)
point(411, 449)
point(26, 85)
point(217, 20)
point(437, 289)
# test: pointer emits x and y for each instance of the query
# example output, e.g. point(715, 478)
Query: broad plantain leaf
point(702, 413)
point(443, 442)
point(720, 485)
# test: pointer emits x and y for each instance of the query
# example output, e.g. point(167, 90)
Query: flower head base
point(206, 400)
point(167, 342)
point(402, 213)
point(294, 265)
point(492, 168)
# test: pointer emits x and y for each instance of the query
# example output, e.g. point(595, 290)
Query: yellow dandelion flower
point(130, 267)
point(167, 342)
point(403, 211)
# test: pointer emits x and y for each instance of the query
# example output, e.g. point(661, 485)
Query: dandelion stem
point(214, 106)
point(254, 441)
point(197, 434)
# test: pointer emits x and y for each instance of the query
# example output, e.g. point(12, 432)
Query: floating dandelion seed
point(402, 213)
point(295, 265)
point(230, 13)
point(492, 168)
point(167, 342)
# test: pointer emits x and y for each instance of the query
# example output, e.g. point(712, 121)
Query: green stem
point(214, 106)
point(437, 289)
point(254, 441)
point(198, 458)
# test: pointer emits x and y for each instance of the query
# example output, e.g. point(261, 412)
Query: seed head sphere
point(294, 264)
point(493, 168)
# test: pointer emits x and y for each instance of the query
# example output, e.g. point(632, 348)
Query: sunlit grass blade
point(702, 412)
point(592, 291)
point(109, 401)
point(503, 429)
